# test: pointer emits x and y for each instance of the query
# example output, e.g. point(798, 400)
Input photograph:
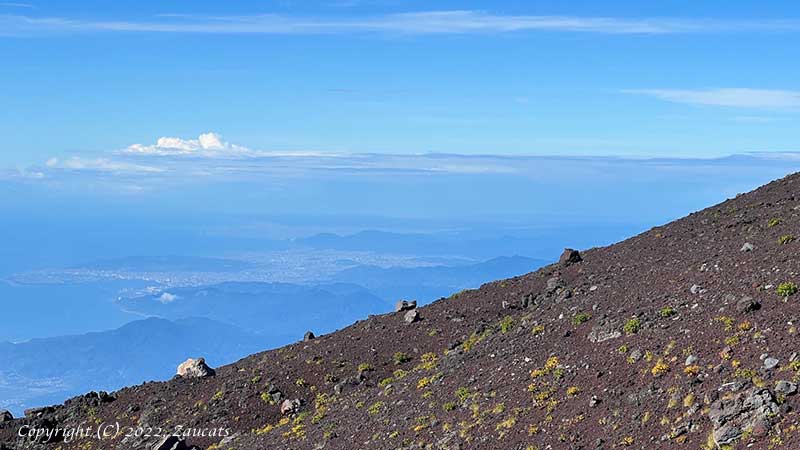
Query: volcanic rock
point(747, 304)
point(569, 257)
point(195, 368)
point(403, 305)
point(411, 316)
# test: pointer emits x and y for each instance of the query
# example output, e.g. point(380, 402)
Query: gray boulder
point(785, 388)
point(5, 416)
point(195, 368)
point(411, 316)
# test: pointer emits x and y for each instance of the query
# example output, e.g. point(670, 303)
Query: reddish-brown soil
point(487, 372)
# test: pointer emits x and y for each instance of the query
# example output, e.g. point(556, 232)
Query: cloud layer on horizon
point(422, 22)
point(210, 158)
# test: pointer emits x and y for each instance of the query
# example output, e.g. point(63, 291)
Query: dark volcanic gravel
point(649, 343)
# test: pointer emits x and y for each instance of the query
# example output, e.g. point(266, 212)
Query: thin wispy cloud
point(730, 97)
point(16, 5)
point(77, 163)
point(426, 22)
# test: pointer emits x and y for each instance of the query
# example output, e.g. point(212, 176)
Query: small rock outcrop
point(604, 332)
point(747, 304)
point(749, 411)
point(309, 336)
point(403, 305)
point(569, 257)
point(747, 247)
point(5, 416)
point(195, 368)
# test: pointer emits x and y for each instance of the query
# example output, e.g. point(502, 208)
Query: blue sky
point(128, 126)
point(678, 78)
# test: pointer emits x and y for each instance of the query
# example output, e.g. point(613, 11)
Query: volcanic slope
point(681, 337)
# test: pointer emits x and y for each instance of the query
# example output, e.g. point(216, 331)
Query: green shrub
point(786, 289)
point(463, 394)
point(400, 358)
point(507, 324)
point(581, 318)
point(632, 326)
point(773, 222)
point(667, 311)
point(376, 408)
point(785, 239)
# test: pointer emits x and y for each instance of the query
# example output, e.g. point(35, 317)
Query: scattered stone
point(290, 406)
point(636, 355)
point(594, 401)
point(747, 247)
point(570, 257)
point(747, 304)
point(786, 388)
point(770, 363)
point(403, 305)
point(691, 359)
point(506, 304)
point(172, 443)
point(309, 336)
point(5, 416)
point(411, 316)
point(554, 283)
point(195, 368)
point(696, 289)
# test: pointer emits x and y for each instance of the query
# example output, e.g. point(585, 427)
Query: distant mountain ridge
point(50, 369)
point(429, 283)
point(280, 309)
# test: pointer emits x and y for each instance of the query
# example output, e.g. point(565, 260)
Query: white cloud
point(206, 145)
point(425, 22)
point(731, 97)
point(99, 165)
point(166, 297)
